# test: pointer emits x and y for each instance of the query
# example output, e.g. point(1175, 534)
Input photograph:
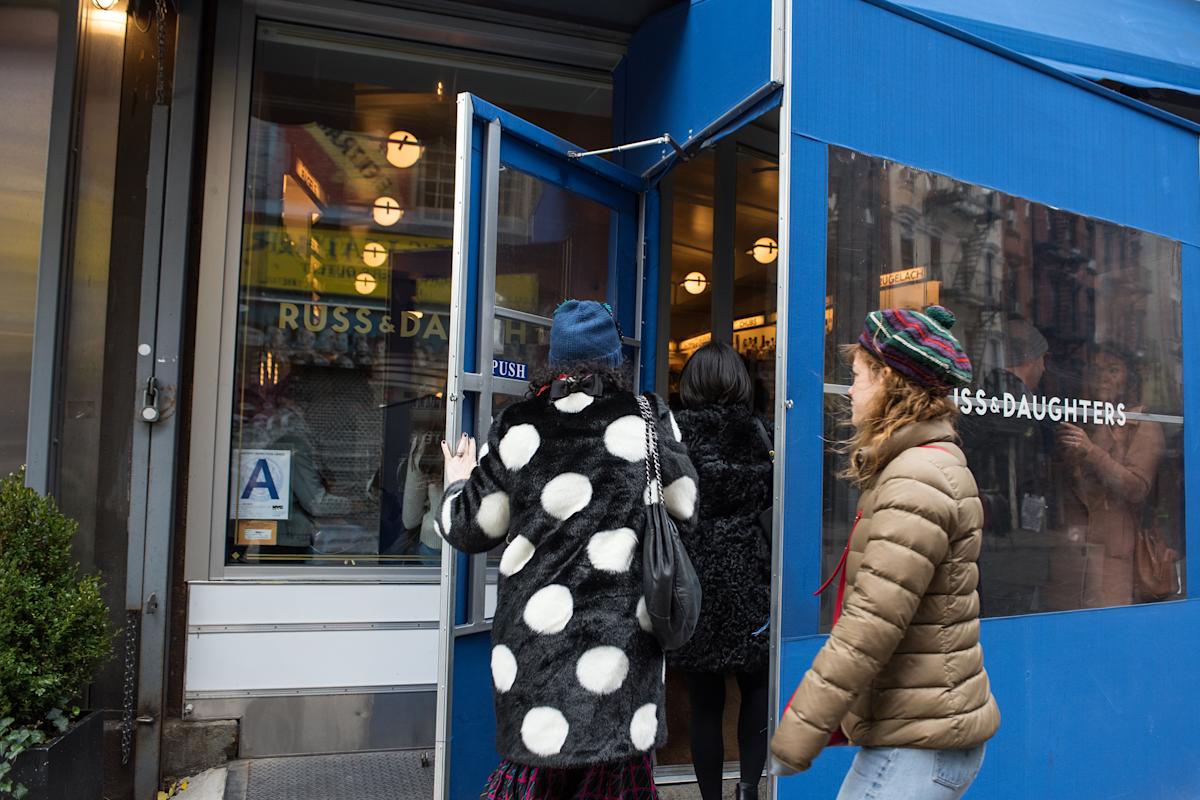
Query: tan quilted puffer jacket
point(903, 666)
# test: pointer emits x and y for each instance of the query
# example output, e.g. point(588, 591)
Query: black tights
point(706, 690)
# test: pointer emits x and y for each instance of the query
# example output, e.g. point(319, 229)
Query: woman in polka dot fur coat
point(577, 674)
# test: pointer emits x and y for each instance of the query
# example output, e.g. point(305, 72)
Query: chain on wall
point(160, 78)
point(132, 626)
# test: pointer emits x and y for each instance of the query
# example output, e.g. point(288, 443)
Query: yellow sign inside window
point(327, 262)
point(901, 276)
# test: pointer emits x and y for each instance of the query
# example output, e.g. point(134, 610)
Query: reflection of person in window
point(1024, 357)
point(1111, 473)
point(284, 427)
point(423, 492)
point(1024, 368)
point(1010, 455)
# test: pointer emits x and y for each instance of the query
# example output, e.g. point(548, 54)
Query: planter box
point(70, 767)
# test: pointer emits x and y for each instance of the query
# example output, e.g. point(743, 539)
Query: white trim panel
point(310, 603)
point(490, 593)
point(232, 662)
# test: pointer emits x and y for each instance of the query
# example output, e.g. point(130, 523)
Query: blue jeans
point(907, 773)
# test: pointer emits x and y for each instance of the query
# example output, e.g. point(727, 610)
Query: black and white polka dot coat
point(577, 675)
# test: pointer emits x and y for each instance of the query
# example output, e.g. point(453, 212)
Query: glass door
point(535, 222)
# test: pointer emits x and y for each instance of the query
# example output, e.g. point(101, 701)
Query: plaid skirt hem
point(631, 779)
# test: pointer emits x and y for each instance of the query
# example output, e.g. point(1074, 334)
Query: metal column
point(160, 340)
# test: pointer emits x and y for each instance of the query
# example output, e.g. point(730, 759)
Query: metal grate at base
point(396, 775)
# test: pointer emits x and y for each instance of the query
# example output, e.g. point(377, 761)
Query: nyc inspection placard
point(261, 485)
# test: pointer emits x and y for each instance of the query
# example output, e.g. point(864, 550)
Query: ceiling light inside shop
point(694, 283)
point(387, 211)
point(365, 283)
point(374, 254)
point(765, 250)
point(403, 149)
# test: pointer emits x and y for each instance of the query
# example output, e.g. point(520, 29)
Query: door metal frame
point(463, 177)
point(782, 404)
point(40, 449)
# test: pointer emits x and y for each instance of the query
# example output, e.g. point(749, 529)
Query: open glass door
point(534, 224)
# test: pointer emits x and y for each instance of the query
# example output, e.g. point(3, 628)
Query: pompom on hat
point(918, 345)
point(584, 330)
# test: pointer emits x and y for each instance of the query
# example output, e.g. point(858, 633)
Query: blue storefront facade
point(325, 214)
point(1088, 701)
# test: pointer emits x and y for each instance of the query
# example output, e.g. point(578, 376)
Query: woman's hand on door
point(462, 462)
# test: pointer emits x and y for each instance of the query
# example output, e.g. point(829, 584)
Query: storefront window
point(340, 374)
point(1073, 426)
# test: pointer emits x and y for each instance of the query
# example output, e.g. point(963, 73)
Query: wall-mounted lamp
point(104, 5)
point(765, 250)
point(694, 283)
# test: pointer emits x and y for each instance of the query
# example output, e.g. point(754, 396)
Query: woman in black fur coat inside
point(729, 447)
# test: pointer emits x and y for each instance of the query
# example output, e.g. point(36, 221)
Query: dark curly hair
point(618, 378)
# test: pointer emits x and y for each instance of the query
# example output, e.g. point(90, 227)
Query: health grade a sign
point(261, 486)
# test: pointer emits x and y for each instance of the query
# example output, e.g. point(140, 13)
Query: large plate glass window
point(1073, 426)
point(344, 294)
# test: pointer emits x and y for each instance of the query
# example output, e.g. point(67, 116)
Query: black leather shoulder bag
point(669, 581)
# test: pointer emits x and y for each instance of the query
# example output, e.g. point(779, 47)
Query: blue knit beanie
point(584, 330)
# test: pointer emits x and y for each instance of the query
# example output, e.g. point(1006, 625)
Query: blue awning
point(1147, 43)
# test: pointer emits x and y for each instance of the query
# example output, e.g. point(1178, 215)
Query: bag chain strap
point(652, 480)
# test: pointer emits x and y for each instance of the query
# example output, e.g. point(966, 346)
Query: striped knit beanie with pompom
point(918, 345)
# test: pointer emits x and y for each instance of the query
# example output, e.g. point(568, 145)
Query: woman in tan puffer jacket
point(902, 672)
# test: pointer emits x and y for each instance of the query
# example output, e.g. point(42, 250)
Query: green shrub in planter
point(54, 629)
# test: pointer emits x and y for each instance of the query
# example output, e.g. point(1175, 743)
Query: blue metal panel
point(471, 297)
point(1049, 66)
point(1095, 704)
point(885, 84)
point(686, 68)
point(473, 724)
point(804, 445)
point(624, 272)
point(650, 284)
point(1149, 42)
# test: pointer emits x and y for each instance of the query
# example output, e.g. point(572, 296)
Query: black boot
point(747, 791)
